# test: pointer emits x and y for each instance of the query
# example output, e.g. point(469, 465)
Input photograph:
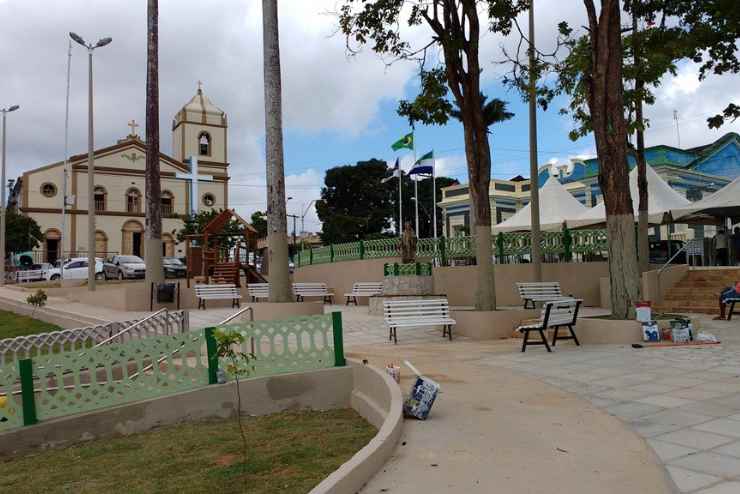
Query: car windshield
point(171, 261)
point(131, 259)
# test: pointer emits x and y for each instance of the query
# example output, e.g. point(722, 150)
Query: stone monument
point(407, 280)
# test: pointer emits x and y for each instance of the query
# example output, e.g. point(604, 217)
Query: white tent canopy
point(556, 205)
point(724, 202)
point(661, 199)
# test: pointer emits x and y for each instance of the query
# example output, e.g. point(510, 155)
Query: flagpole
point(399, 226)
point(434, 199)
point(416, 186)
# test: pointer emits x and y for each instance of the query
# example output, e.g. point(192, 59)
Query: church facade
point(199, 130)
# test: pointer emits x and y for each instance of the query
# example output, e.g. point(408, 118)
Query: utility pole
point(5, 112)
point(534, 188)
point(295, 217)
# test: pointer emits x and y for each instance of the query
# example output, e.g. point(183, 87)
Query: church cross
point(133, 126)
point(193, 178)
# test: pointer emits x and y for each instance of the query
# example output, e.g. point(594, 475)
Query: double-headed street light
point(91, 263)
point(3, 200)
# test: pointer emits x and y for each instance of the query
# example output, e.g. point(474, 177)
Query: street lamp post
point(303, 215)
point(91, 264)
point(4, 111)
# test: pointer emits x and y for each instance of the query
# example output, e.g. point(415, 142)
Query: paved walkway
point(684, 401)
point(540, 422)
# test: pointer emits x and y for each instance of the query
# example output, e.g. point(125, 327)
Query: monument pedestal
point(403, 287)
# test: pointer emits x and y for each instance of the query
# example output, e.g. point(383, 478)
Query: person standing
point(721, 244)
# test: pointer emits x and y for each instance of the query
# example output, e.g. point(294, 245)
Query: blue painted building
point(694, 172)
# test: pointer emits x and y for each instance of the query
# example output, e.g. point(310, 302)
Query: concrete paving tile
point(697, 393)
point(727, 369)
point(710, 463)
point(688, 481)
point(723, 488)
point(695, 439)
point(708, 407)
point(732, 400)
point(722, 426)
point(654, 389)
point(664, 401)
point(729, 386)
point(732, 449)
point(680, 382)
point(666, 421)
point(669, 451)
point(601, 402)
point(631, 410)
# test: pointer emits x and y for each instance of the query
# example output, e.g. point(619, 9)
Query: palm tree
point(153, 241)
point(494, 111)
point(277, 224)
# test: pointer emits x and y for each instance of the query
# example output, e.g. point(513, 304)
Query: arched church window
point(204, 144)
point(209, 199)
point(133, 200)
point(100, 195)
point(168, 201)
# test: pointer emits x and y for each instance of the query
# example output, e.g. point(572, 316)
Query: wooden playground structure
point(215, 256)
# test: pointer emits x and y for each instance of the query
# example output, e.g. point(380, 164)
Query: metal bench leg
point(544, 340)
point(356, 303)
point(524, 342)
point(731, 309)
point(449, 332)
point(555, 335)
point(573, 334)
point(347, 301)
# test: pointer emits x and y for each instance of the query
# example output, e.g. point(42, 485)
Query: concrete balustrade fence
point(70, 382)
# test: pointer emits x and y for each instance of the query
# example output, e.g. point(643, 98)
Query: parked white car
point(75, 269)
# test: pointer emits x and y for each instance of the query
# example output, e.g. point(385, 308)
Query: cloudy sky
point(337, 109)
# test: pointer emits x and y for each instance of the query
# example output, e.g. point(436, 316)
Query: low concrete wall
point(340, 276)
point(579, 279)
point(378, 399)
point(459, 282)
point(607, 331)
point(369, 391)
point(490, 325)
point(134, 296)
point(319, 390)
point(65, 320)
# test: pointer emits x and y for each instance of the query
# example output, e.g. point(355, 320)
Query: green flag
point(406, 141)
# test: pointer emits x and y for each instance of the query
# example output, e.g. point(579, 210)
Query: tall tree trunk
point(606, 107)
point(643, 243)
point(478, 156)
point(534, 186)
point(277, 225)
point(153, 240)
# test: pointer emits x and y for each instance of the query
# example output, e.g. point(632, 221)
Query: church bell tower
point(200, 129)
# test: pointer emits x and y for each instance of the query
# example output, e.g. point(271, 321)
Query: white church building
point(199, 130)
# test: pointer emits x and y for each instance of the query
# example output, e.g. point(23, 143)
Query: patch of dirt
point(226, 460)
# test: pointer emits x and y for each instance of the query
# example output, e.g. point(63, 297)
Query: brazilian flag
point(406, 142)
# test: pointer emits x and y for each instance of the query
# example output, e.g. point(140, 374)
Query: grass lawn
point(289, 452)
point(12, 325)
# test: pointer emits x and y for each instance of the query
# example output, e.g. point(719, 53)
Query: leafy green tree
point(455, 32)
point(354, 203)
point(22, 233)
point(194, 224)
point(259, 222)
